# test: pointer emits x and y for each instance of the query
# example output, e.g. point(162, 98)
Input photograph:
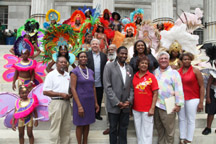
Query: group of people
point(115, 59)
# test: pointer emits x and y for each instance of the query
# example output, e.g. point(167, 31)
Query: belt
point(57, 98)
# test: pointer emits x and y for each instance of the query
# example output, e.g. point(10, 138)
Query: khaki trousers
point(165, 125)
point(61, 121)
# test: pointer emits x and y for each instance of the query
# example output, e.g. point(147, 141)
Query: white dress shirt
point(123, 72)
point(57, 82)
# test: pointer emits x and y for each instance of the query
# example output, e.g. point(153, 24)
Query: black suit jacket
point(90, 63)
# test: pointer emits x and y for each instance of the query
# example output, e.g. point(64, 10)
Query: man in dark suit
point(96, 61)
point(118, 87)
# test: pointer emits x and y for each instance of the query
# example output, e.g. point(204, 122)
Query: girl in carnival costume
point(76, 20)
point(20, 110)
point(53, 16)
point(24, 67)
point(24, 109)
point(58, 41)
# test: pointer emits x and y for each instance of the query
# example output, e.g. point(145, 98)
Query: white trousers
point(187, 117)
point(144, 127)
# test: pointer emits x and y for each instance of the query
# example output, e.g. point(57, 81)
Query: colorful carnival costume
point(31, 28)
point(16, 63)
point(85, 10)
point(11, 105)
point(76, 15)
point(51, 15)
point(88, 27)
point(60, 36)
point(137, 17)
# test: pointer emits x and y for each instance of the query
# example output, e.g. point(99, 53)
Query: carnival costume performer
point(52, 16)
point(20, 110)
point(76, 20)
point(177, 39)
point(174, 52)
point(60, 40)
point(106, 15)
point(101, 36)
point(24, 71)
point(116, 24)
point(20, 67)
point(32, 28)
point(87, 11)
point(137, 17)
point(126, 39)
point(87, 31)
point(32, 33)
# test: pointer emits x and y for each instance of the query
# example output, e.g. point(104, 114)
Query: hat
point(115, 13)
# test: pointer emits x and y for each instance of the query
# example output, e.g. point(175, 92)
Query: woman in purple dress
point(84, 98)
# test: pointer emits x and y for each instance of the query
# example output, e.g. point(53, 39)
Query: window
point(4, 15)
point(199, 32)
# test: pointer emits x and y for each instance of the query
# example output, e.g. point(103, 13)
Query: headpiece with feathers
point(193, 21)
point(135, 14)
point(62, 35)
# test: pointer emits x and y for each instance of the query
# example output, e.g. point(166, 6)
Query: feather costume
point(62, 35)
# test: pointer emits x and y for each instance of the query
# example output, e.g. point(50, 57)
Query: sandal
point(181, 141)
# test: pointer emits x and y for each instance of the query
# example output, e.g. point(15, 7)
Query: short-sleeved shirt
point(143, 91)
point(57, 82)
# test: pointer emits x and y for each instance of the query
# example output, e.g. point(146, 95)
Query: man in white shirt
point(56, 86)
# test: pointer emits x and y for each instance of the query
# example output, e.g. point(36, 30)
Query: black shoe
point(206, 131)
point(98, 117)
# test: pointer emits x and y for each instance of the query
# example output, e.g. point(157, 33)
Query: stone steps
point(96, 137)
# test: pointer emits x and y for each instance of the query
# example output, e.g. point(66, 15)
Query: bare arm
point(202, 89)
point(37, 49)
point(75, 95)
point(49, 67)
point(96, 103)
point(56, 94)
point(12, 50)
point(14, 79)
point(154, 100)
point(210, 80)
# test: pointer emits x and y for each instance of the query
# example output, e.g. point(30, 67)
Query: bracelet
point(80, 107)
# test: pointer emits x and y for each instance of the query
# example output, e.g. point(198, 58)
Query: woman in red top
point(145, 97)
point(193, 87)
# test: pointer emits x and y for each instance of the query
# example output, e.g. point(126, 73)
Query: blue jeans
point(118, 127)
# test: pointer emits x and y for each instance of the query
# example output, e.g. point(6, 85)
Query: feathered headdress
point(126, 21)
point(53, 15)
point(85, 9)
point(62, 35)
point(30, 27)
point(135, 14)
point(210, 51)
point(168, 25)
point(132, 27)
point(193, 21)
point(149, 34)
point(23, 44)
point(78, 14)
point(187, 41)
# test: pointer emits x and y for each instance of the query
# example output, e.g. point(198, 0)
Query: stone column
point(209, 21)
point(104, 4)
point(162, 11)
point(182, 5)
point(39, 9)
